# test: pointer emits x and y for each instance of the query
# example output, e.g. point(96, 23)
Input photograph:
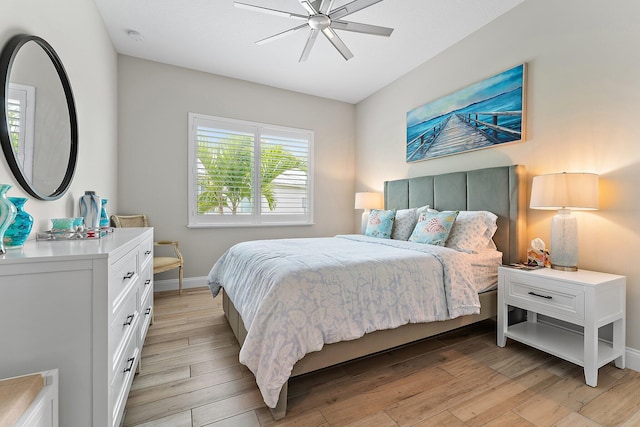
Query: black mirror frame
point(7, 57)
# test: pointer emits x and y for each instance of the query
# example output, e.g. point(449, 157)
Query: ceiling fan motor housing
point(319, 22)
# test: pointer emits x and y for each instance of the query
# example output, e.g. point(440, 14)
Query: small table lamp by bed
point(367, 201)
point(564, 191)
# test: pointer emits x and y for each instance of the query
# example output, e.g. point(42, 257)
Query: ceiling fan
point(323, 19)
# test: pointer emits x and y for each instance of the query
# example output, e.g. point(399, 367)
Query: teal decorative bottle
point(7, 214)
point(104, 216)
point(19, 229)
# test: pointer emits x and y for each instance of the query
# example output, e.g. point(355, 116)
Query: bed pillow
point(472, 231)
point(380, 223)
point(404, 223)
point(423, 209)
point(433, 227)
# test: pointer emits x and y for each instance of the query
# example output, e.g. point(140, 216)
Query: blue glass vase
point(90, 210)
point(7, 213)
point(104, 216)
point(19, 229)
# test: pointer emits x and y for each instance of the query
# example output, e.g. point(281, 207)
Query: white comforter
point(295, 295)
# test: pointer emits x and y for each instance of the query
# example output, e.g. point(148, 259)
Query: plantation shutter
point(225, 168)
point(14, 121)
point(21, 122)
point(289, 186)
point(245, 173)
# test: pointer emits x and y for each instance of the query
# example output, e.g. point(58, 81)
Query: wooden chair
point(160, 263)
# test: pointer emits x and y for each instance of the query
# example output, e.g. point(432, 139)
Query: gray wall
point(75, 30)
point(154, 101)
point(582, 108)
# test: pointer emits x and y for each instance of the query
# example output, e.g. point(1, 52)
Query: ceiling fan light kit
point(321, 18)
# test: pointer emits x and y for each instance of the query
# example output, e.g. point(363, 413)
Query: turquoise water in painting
point(511, 101)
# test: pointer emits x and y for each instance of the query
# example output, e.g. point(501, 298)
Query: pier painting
point(485, 114)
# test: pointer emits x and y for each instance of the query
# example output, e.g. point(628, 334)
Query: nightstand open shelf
point(561, 342)
point(585, 298)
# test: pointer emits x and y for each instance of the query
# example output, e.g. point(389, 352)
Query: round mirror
point(38, 129)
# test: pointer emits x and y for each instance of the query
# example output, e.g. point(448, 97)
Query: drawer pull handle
point(146, 282)
point(129, 320)
point(541, 296)
point(130, 364)
point(147, 252)
point(147, 311)
point(129, 275)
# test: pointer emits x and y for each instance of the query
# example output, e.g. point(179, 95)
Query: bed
point(500, 190)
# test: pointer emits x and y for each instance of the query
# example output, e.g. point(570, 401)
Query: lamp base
point(365, 220)
point(564, 241)
point(564, 268)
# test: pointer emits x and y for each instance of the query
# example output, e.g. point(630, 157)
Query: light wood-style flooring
point(190, 376)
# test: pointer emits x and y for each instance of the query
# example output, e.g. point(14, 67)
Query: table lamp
point(564, 192)
point(367, 201)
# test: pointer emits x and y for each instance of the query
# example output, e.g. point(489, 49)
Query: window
point(21, 112)
point(227, 188)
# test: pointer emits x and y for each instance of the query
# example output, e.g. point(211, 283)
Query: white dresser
point(83, 307)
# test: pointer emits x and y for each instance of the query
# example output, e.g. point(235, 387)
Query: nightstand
point(585, 298)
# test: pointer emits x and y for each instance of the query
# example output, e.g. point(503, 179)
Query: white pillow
point(404, 224)
point(406, 220)
point(423, 209)
point(472, 231)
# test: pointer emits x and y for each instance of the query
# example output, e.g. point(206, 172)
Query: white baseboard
point(632, 359)
point(172, 284)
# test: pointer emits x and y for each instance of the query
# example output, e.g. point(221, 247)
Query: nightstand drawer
point(546, 298)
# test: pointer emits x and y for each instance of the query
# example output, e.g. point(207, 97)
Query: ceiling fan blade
point(337, 42)
point(276, 12)
point(308, 7)
point(362, 28)
point(282, 34)
point(350, 8)
point(325, 6)
point(307, 47)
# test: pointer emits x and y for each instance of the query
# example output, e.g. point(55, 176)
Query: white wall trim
point(172, 284)
point(632, 359)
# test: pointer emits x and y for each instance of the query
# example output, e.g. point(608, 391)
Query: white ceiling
point(215, 37)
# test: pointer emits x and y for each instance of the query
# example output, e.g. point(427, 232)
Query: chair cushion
point(164, 263)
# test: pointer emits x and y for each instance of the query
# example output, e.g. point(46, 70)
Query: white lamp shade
point(565, 190)
point(368, 200)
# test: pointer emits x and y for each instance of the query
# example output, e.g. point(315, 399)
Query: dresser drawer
point(122, 325)
point(146, 282)
point(122, 378)
point(545, 298)
point(146, 313)
point(145, 253)
point(123, 273)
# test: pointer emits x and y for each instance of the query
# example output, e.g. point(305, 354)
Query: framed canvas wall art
point(483, 115)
